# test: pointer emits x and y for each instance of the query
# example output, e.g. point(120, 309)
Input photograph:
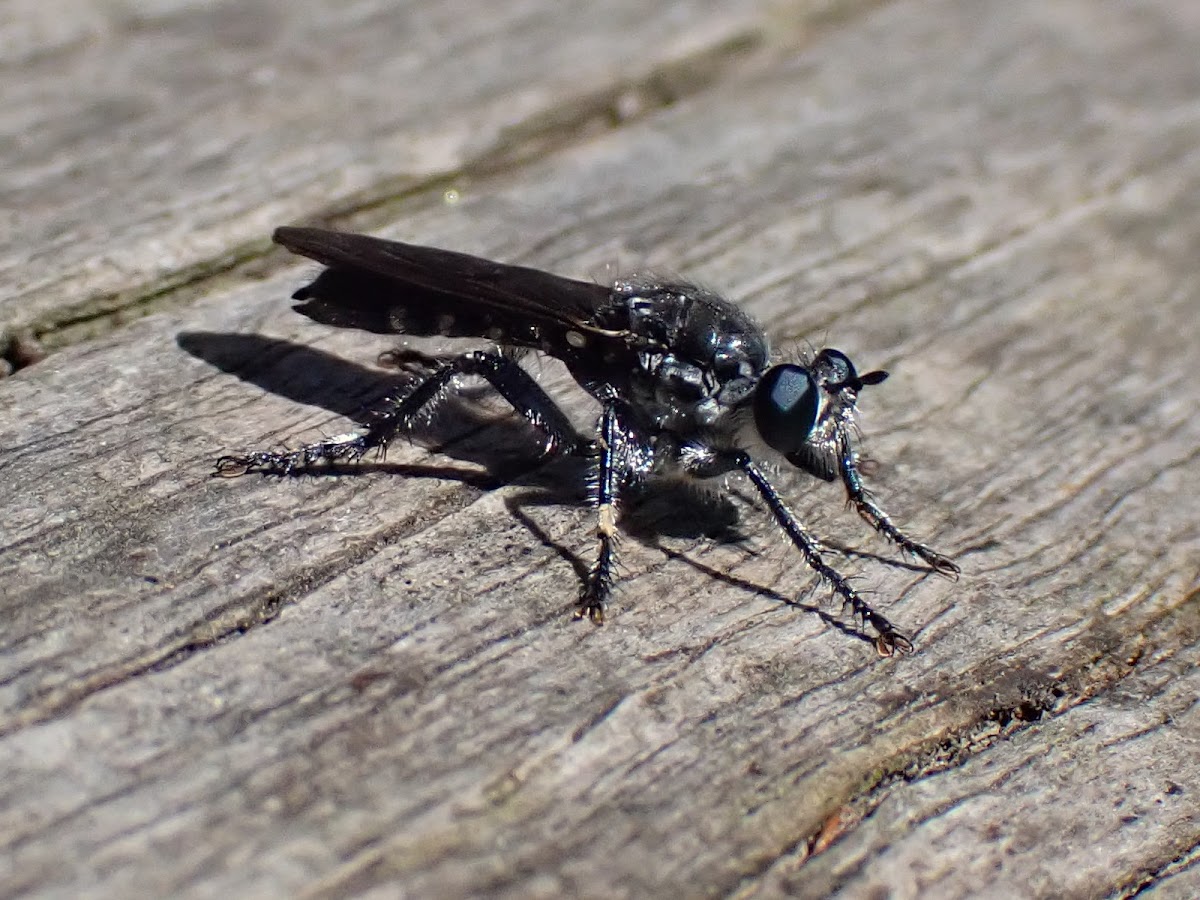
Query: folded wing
point(388, 287)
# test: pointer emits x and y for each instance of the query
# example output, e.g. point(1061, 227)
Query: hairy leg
point(401, 414)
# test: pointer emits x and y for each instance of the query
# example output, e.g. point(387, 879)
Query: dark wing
point(392, 288)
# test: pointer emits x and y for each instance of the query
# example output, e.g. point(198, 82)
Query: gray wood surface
point(371, 684)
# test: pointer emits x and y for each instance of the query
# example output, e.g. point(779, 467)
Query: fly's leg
point(874, 516)
point(512, 382)
point(889, 640)
point(615, 446)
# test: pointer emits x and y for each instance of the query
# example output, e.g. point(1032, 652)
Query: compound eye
point(786, 403)
point(836, 367)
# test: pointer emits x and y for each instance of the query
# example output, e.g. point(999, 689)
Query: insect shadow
point(503, 445)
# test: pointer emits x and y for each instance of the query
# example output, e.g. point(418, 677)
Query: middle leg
point(617, 445)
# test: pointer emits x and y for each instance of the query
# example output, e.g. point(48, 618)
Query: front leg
point(874, 516)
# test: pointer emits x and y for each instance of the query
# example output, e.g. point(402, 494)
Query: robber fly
point(684, 380)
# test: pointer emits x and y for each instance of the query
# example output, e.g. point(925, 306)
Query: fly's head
point(804, 412)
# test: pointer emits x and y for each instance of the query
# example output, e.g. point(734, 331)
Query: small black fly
point(684, 380)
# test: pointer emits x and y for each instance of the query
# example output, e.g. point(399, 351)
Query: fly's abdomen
point(353, 299)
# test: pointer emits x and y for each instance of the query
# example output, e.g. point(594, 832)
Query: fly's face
point(803, 411)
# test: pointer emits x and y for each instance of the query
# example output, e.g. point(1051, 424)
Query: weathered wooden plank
point(148, 149)
point(1107, 779)
point(339, 684)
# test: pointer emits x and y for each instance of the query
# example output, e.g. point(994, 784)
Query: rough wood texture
point(148, 149)
point(371, 682)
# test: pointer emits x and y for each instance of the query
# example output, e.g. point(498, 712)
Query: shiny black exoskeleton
point(684, 380)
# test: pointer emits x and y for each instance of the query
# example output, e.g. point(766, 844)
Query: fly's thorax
point(697, 354)
point(695, 326)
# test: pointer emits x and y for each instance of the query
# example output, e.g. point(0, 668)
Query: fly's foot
point(590, 608)
point(888, 640)
point(231, 466)
point(889, 643)
point(263, 461)
point(943, 565)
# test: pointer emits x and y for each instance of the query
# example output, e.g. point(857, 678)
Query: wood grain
point(371, 682)
point(151, 149)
